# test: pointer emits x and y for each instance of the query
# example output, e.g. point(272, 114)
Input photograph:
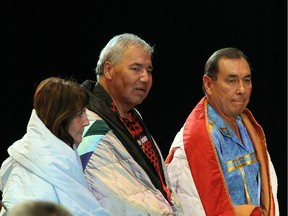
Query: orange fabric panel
point(204, 165)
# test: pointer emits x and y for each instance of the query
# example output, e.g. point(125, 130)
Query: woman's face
point(76, 126)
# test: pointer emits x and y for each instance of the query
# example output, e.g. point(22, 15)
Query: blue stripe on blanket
point(85, 159)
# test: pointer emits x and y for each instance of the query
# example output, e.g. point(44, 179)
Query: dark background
point(64, 38)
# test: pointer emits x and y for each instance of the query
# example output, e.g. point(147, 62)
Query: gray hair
point(115, 48)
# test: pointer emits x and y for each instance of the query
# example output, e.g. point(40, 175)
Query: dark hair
point(56, 102)
point(211, 66)
point(38, 208)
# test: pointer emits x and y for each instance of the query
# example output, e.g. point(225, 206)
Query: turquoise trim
point(98, 127)
point(88, 144)
point(92, 136)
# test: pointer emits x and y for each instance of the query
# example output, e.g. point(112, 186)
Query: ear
point(108, 70)
point(207, 83)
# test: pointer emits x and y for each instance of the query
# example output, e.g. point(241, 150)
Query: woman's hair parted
point(56, 102)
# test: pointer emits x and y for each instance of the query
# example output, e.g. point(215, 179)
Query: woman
point(44, 164)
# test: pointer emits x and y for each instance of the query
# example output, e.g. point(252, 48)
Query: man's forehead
point(136, 57)
point(233, 66)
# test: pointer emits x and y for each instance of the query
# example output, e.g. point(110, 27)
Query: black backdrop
point(64, 38)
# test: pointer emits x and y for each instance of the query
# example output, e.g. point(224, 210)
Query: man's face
point(230, 92)
point(131, 77)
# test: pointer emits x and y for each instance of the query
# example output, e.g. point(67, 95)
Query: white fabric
point(181, 180)
point(43, 167)
point(2, 212)
point(274, 183)
point(118, 182)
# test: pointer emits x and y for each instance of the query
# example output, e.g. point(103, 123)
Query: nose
point(241, 88)
point(145, 76)
point(85, 120)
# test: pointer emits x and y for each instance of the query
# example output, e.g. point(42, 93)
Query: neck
point(123, 114)
point(233, 125)
point(122, 110)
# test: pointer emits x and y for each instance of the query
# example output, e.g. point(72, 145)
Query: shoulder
point(18, 187)
point(97, 125)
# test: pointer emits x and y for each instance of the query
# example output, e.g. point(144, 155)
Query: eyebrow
point(234, 75)
point(140, 65)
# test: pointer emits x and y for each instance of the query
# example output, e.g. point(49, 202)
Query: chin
point(77, 141)
point(139, 101)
